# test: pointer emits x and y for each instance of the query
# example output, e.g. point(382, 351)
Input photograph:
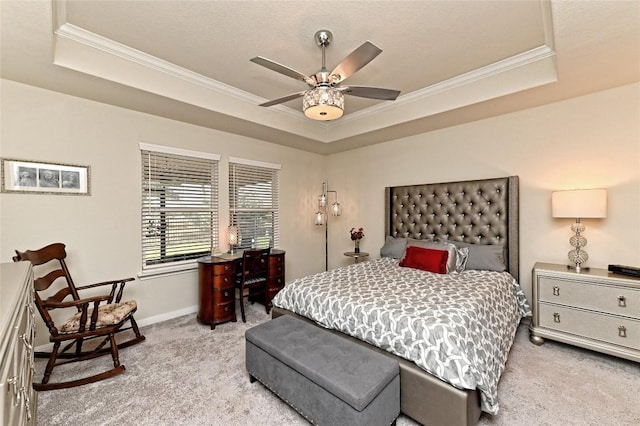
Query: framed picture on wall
point(44, 178)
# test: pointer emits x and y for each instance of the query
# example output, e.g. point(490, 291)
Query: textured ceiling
point(454, 61)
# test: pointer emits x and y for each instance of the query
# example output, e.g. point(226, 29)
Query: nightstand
point(356, 256)
point(593, 309)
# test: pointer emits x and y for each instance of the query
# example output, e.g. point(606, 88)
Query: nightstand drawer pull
point(556, 291)
point(556, 317)
point(622, 331)
point(622, 301)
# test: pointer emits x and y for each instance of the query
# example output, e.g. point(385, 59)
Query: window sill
point(164, 271)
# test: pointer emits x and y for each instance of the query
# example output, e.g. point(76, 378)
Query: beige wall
point(591, 141)
point(587, 142)
point(102, 231)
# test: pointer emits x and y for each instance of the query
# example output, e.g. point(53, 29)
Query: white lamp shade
point(234, 235)
point(579, 203)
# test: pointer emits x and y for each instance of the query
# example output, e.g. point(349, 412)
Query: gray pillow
point(393, 247)
point(484, 257)
point(456, 259)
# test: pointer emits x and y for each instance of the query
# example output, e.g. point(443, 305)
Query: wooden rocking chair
point(95, 317)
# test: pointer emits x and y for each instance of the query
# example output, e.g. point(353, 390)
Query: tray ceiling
point(189, 60)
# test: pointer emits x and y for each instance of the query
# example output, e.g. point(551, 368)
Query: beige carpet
point(186, 374)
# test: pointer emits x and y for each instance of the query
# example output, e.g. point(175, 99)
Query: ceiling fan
point(325, 99)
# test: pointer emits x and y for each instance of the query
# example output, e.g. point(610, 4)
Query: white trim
point(178, 151)
point(156, 272)
point(111, 47)
point(167, 316)
point(236, 160)
point(516, 61)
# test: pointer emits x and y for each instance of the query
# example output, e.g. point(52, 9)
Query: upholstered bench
point(326, 378)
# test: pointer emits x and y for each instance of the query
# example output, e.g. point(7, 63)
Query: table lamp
point(579, 204)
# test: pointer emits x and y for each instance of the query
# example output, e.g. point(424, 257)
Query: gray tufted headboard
point(476, 211)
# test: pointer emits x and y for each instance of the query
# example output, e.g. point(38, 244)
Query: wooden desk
point(216, 285)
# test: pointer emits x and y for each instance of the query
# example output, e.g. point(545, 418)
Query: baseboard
point(141, 323)
point(167, 316)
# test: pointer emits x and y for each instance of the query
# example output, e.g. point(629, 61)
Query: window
point(179, 205)
point(253, 202)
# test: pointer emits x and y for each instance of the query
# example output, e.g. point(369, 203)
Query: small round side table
point(356, 256)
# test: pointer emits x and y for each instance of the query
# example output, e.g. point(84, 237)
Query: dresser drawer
point(18, 400)
point(606, 328)
point(590, 295)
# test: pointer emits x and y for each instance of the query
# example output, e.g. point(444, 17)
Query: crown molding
point(96, 41)
point(520, 60)
point(519, 72)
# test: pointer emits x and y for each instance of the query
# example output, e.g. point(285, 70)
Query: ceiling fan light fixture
point(323, 103)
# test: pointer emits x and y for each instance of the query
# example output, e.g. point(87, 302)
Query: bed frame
point(479, 212)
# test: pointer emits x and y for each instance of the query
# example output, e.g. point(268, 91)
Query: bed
point(373, 303)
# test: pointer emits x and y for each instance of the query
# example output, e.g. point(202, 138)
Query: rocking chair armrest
point(124, 280)
point(75, 303)
point(114, 285)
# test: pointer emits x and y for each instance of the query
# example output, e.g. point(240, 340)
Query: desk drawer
point(590, 295)
point(223, 281)
point(603, 327)
point(276, 265)
point(223, 295)
point(224, 311)
point(224, 269)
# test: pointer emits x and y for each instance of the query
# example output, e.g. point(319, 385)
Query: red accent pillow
point(425, 259)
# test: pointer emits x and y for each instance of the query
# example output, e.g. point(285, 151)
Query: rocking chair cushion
point(110, 314)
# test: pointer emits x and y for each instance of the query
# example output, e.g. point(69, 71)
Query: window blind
point(179, 206)
point(253, 203)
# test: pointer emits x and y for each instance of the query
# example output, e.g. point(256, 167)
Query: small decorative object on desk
point(356, 235)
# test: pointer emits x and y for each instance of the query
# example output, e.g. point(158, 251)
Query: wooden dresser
point(593, 309)
point(216, 287)
point(18, 400)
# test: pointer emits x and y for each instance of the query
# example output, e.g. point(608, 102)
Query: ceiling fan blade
point(283, 99)
point(356, 60)
point(282, 69)
point(371, 92)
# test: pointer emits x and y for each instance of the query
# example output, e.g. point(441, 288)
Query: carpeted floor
point(186, 374)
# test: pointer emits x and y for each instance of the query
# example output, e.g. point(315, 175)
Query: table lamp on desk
point(234, 238)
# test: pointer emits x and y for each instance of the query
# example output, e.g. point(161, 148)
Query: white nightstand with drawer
point(593, 309)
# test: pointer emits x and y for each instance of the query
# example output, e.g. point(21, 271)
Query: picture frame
point(33, 177)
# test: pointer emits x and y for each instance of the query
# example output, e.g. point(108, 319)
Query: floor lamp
point(323, 219)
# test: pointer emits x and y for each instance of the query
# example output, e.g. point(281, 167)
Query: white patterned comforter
point(458, 327)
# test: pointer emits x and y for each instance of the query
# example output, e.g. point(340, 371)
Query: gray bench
point(326, 378)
